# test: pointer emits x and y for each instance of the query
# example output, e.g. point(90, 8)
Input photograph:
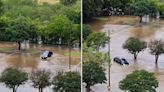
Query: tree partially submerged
point(134, 46)
point(142, 7)
point(13, 78)
point(40, 79)
point(67, 82)
point(139, 81)
point(156, 48)
point(22, 29)
point(93, 73)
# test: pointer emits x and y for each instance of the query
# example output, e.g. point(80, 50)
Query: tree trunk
point(88, 89)
point(41, 90)
point(135, 56)
point(156, 58)
point(19, 45)
point(140, 19)
point(14, 89)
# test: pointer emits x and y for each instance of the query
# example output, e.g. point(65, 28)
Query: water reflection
point(23, 60)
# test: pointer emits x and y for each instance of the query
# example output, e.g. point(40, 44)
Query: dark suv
point(118, 60)
point(125, 61)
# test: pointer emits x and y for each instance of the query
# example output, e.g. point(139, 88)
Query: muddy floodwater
point(29, 60)
point(121, 28)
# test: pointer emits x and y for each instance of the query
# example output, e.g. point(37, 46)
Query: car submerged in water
point(121, 61)
point(46, 54)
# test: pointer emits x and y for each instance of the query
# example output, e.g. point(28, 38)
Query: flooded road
point(29, 60)
point(119, 33)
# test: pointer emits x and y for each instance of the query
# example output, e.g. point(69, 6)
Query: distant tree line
point(52, 23)
point(93, 8)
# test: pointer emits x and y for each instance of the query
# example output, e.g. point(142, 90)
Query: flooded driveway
point(119, 33)
point(30, 60)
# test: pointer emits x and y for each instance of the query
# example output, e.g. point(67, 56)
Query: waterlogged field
point(29, 60)
point(121, 28)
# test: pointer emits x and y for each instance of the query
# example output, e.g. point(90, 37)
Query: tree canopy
point(139, 81)
point(97, 40)
point(67, 82)
point(13, 78)
point(156, 48)
point(92, 8)
point(134, 46)
point(93, 73)
point(40, 79)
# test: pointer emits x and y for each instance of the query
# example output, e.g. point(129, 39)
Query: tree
point(40, 79)
point(142, 7)
point(93, 73)
point(13, 78)
point(139, 81)
point(4, 24)
point(97, 40)
point(118, 4)
point(67, 82)
point(92, 8)
point(134, 46)
point(73, 13)
point(75, 34)
point(59, 28)
point(68, 2)
point(1, 7)
point(156, 48)
point(86, 31)
point(21, 30)
point(90, 54)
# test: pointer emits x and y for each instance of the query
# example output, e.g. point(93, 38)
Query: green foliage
point(119, 4)
point(59, 28)
point(90, 54)
point(86, 31)
point(73, 13)
point(156, 48)
point(68, 2)
point(139, 81)
point(134, 46)
point(92, 8)
point(22, 29)
point(97, 40)
point(93, 73)
point(67, 82)
point(37, 21)
point(41, 79)
point(1, 7)
point(142, 7)
point(13, 78)
point(76, 34)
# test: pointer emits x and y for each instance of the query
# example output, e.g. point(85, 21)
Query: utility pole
point(108, 32)
point(70, 51)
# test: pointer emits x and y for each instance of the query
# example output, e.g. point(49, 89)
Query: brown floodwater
point(29, 60)
point(121, 28)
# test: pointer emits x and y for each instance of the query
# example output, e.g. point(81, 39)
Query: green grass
point(73, 53)
point(6, 50)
